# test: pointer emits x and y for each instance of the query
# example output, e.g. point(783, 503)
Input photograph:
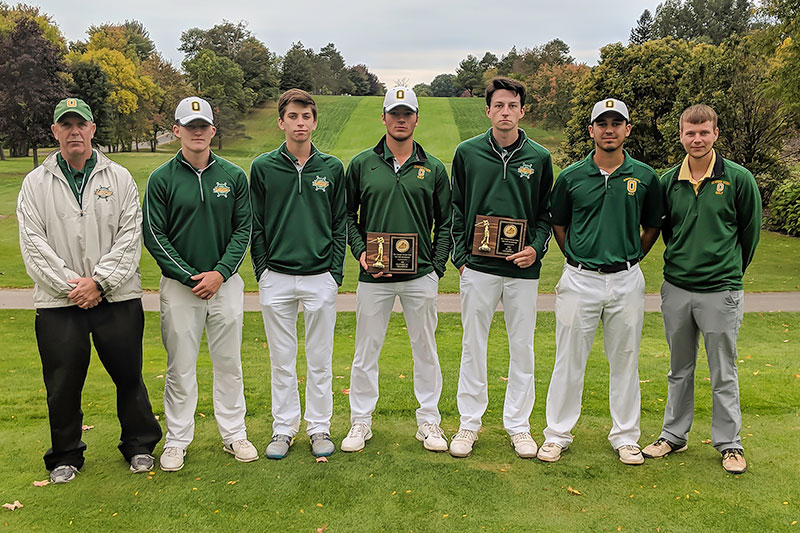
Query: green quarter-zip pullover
point(299, 214)
point(603, 213)
point(711, 236)
point(197, 220)
point(511, 182)
point(415, 199)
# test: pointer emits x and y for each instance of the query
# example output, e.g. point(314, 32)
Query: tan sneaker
point(432, 437)
point(461, 445)
point(661, 448)
point(550, 452)
point(733, 461)
point(524, 445)
point(630, 454)
point(356, 438)
point(243, 450)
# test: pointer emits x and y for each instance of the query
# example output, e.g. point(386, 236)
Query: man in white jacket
point(80, 235)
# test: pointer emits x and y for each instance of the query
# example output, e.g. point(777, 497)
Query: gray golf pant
point(718, 316)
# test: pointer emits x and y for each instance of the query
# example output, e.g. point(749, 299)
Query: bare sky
point(410, 39)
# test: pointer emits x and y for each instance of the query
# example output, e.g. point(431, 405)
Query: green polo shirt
point(603, 214)
point(75, 178)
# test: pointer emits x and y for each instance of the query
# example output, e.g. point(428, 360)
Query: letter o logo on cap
point(72, 102)
point(195, 105)
point(401, 94)
point(610, 103)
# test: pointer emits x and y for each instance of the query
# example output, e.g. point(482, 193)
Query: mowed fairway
point(395, 485)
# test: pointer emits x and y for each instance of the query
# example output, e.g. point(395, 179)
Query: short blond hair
point(697, 114)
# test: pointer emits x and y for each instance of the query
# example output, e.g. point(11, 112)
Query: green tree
point(423, 89)
point(703, 20)
point(644, 30)
point(445, 85)
point(91, 84)
point(220, 81)
point(359, 79)
point(506, 63)
point(31, 85)
point(172, 88)
point(784, 38)
point(550, 93)
point(297, 69)
point(225, 39)
point(9, 16)
point(488, 61)
point(646, 78)
point(469, 75)
point(260, 69)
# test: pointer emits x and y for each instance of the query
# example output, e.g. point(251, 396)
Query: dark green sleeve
point(560, 202)
point(666, 227)
point(338, 222)
point(748, 216)
point(242, 225)
point(354, 236)
point(442, 220)
point(653, 209)
point(542, 233)
point(458, 232)
point(258, 189)
point(155, 231)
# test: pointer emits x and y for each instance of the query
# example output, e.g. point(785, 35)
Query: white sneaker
point(630, 454)
point(461, 445)
point(243, 450)
point(524, 445)
point(172, 459)
point(432, 437)
point(550, 452)
point(358, 436)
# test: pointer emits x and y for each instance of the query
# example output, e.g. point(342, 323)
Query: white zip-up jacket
point(60, 240)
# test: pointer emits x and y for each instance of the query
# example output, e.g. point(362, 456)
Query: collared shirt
point(685, 173)
point(77, 178)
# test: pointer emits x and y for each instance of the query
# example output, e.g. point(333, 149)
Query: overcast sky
point(411, 39)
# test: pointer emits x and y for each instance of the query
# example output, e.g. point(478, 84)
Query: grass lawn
point(394, 485)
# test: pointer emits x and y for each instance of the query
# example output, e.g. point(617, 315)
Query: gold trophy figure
point(484, 247)
point(379, 257)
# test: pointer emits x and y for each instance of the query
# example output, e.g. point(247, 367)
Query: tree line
point(133, 90)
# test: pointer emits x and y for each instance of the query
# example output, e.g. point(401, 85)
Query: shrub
point(784, 208)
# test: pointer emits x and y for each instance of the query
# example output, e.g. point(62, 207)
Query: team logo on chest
point(221, 189)
point(720, 186)
point(320, 183)
point(421, 171)
point(631, 184)
point(103, 193)
point(525, 170)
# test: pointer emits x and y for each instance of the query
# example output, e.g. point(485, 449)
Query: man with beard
point(397, 187)
point(597, 208)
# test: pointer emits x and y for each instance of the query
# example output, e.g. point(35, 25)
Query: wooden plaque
point(392, 253)
point(498, 236)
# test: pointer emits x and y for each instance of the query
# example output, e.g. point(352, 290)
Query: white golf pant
point(480, 293)
point(583, 298)
point(279, 295)
point(374, 303)
point(184, 316)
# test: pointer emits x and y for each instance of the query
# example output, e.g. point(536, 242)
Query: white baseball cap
point(400, 96)
point(610, 105)
point(193, 108)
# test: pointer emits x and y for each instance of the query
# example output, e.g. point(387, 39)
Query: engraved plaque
point(498, 236)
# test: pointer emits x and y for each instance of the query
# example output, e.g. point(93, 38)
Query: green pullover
point(711, 236)
point(299, 216)
point(415, 199)
point(197, 220)
point(512, 182)
point(603, 213)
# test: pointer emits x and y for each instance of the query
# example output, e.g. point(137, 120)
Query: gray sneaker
point(321, 445)
point(142, 462)
point(278, 447)
point(63, 474)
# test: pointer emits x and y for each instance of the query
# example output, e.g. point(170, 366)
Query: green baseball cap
point(73, 105)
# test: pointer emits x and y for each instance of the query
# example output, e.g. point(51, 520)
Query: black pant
point(63, 337)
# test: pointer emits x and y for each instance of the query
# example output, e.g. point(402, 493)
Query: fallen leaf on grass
point(707, 441)
point(401, 376)
point(322, 459)
point(160, 376)
point(339, 377)
point(573, 492)
point(345, 391)
point(797, 376)
point(86, 428)
point(201, 415)
point(41, 483)
point(12, 506)
point(322, 529)
point(231, 483)
point(504, 378)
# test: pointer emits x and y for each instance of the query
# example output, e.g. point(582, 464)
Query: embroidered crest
point(221, 189)
point(320, 183)
point(525, 171)
point(720, 186)
point(103, 193)
point(631, 184)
